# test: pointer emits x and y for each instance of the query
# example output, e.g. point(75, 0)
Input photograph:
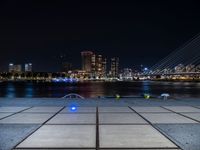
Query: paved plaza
point(100, 127)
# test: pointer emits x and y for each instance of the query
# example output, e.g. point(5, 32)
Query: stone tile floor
point(97, 127)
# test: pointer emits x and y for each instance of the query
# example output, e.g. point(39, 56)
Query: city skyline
point(138, 32)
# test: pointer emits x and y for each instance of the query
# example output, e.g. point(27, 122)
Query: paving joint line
point(165, 135)
point(53, 148)
point(182, 115)
point(195, 107)
point(138, 148)
point(97, 128)
point(15, 147)
point(15, 112)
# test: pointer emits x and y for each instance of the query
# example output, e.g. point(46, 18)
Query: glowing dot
point(73, 108)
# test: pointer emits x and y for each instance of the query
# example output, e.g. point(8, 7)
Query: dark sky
point(139, 32)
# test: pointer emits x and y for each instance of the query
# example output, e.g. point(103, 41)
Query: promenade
point(99, 124)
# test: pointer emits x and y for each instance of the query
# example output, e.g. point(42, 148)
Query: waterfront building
point(190, 68)
point(81, 74)
point(12, 68)
point(179, 68)
point(127, 74)
point(28, 67)
point(197, 68)
point(87, 61)
point(99, 65)
point(167, 71)
point(93, 64)
point(115, 67)
point(104, 67)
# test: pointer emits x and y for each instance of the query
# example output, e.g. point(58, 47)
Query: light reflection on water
point(95, 89)
point(10, 91)
point(29, 90)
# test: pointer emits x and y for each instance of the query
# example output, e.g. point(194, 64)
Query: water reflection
point(95, 89)
point(10, 91)
point(146, 87)
point(29, 90)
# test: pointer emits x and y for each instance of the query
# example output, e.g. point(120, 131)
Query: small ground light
point(73, 108)
point(146, 96)
point(117, 96)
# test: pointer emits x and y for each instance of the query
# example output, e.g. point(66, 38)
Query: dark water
point(95, 89)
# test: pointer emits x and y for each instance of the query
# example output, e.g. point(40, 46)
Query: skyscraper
point(115, 67)
point(93, 72)
point(28, 67)
point(87, 61)
point(11, 67)
point(104, 68)
point(14, 68)
point(99, 65)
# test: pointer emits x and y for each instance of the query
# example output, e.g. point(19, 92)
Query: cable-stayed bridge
point(183, 61)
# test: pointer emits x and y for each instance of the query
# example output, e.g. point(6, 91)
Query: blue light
point(73, 108)
point(145, 69)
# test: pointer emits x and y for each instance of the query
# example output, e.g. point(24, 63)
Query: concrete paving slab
point(120, 118)
point(132, 136)
point(12, 134)
point(79, 110)
point(150, 109)
point(187, 136)
point(183, 108)
point(195, 116)
point(44, 109)
point(26, 118)
point(54, 149)
point(62, 136)
point(114, 109)
point(73, 119)
point(12, 109)
point(166, 118)
point(143, 149)
point(2, 115)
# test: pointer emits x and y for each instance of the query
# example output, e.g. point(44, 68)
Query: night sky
point(138, 32)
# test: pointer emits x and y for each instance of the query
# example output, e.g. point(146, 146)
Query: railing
point(73, 95)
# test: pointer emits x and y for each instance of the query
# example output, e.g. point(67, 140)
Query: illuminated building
point(127, 74)
point(99, 65)
point(93, 64)
point(14, 68)
point(104, 68)
point(197, 68)
point(190, 68)
point(87, 61)
point(28, 67)
point(17, 68)
point(115, 67)
point(179, 68)
point(11, 67)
